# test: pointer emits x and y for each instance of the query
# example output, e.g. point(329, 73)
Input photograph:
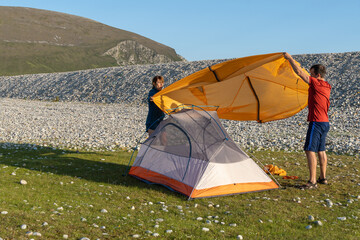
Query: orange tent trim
point(187, 190)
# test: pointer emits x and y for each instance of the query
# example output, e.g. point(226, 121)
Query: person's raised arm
point(297, 69)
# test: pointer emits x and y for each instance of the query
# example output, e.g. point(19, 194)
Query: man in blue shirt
point(155, 114)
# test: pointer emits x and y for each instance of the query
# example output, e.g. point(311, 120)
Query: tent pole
point(268, 171)
point(137, 144)
point(257, 99)
point(217, 79)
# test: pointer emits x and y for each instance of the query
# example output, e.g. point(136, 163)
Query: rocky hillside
point(69, 122)
point(40, 41)
point(130, 84)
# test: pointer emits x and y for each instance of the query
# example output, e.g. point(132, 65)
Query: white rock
point(319, 223)
point(23, 226)
point(23, 182)
point(104, 211)
point(239, 237)
point(308, 227)
point(156, 234)
point(65, 236)
point(341, 218)
point(311, 218)
point(37, 234)
point(159, 220)
point(329, 203)
point(84, 238)
point(132, 208)
point(136, 236)
point(4, 212)
point(45, 224)
point(232, 225)
point(169, 231)
point(199, 218)
point(205, 229)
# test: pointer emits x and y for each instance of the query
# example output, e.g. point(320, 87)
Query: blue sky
point(209, 29)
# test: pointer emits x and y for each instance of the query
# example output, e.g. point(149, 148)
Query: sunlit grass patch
point(84, 194)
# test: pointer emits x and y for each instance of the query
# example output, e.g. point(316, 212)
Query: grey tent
point(191, 152)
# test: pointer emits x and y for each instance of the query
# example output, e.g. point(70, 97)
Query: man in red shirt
point(318, 105)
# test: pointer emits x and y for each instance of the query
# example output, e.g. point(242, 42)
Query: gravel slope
point(104, 108)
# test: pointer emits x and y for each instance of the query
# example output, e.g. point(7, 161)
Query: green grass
point(28, 58)
point(63, 187)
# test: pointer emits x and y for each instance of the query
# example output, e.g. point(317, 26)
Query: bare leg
point(311, 158)
point(323, 164)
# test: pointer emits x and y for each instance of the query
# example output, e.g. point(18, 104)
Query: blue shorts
point(316, 135)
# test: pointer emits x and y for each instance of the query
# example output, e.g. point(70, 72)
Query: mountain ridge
point(41, 41)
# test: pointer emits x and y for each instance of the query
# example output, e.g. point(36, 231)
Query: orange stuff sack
point(275, 170)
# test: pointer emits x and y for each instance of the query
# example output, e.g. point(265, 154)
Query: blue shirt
point(155, 115)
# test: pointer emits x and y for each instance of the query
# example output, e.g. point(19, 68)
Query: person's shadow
point(65, 162)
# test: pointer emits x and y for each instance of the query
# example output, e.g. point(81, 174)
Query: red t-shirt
point(318, 100)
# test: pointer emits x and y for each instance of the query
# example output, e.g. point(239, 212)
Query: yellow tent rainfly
point(261, 88)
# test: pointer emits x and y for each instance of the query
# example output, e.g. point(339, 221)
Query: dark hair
point(157, 78)
point(319, 69)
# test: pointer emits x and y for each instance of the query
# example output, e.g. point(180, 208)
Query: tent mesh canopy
point(190, 152)
point(189, 133)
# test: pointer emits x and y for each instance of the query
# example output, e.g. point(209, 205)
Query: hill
point(129, 84)
point(40, 41)
point(125, 88)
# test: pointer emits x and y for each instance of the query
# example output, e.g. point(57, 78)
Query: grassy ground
point(66, 194)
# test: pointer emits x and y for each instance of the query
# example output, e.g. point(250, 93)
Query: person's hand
point(151, 99)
